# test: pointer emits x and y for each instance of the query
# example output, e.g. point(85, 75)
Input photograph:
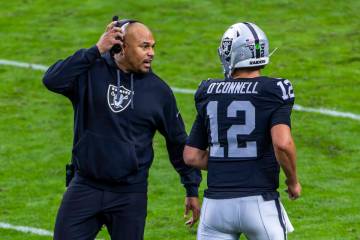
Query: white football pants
point(227, 219)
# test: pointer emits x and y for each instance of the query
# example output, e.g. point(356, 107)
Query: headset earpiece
point(123, 25)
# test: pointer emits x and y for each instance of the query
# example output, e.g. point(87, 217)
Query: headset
point(123, 24)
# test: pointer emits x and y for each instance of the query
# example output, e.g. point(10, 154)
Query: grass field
point(319, 51)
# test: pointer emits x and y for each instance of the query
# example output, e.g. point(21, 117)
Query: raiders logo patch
point(118, 98)
point(226, 46)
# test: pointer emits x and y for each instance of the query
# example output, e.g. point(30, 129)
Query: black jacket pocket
point(104, 158)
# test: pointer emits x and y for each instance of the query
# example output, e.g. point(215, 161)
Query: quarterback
point(242, 136)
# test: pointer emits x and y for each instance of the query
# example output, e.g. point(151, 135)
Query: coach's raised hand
point(112, 35)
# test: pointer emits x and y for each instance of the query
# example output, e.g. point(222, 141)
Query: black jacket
point(115, 118)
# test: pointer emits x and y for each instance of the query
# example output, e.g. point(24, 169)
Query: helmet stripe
point(257, 45)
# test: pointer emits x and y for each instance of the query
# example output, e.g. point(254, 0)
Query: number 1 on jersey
point(215, 150)
point(286, 94)
point(234, 130)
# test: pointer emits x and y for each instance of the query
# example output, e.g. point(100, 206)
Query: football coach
point(119, 104)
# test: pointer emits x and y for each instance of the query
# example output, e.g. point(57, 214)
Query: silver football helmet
point(243, 45)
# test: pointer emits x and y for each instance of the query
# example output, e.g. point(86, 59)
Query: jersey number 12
point(237, 129)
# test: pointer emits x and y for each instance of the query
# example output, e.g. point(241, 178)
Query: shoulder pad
point(282, 89)
point(201, 89)
point(210, 80)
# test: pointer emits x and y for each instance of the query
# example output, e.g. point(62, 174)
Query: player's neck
point(245, 73)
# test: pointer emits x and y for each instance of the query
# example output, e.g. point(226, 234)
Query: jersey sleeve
point(200, 95)
point(282, 115)
point(282, 90)
point(283, 93)
point(198, 137)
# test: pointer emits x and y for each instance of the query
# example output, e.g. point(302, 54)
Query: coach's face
point(138, 51)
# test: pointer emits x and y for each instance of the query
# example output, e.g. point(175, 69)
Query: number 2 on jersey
point(286, 94)
point(234, 130)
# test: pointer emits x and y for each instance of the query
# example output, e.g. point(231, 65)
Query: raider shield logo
point(118, 98)
point(226, 47)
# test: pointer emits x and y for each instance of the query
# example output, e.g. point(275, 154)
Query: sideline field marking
point(327, 112)
point(297, 107)
point(26, 229)
point(23, 65)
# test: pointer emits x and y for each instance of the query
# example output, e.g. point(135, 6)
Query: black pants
point(84, 210)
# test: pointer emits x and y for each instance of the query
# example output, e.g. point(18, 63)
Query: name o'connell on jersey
point(232, 88)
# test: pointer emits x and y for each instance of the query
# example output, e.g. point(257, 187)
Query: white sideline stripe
point(26, 229)
point(23, 65)
point(327, 112)
point(183, 90)
point(297, 107)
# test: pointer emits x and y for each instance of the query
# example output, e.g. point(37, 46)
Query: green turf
point(319, 51)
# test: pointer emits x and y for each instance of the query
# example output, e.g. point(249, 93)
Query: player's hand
point(293, 190)
point(112, 35)
point(192, 204)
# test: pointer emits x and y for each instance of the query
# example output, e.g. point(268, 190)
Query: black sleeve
point(199, 94)
point(282, 115)
point(173, 129)
point(198, 136)
point(282, 90)
point(61, 76)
